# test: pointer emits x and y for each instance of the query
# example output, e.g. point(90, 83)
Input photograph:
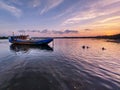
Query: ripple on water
point(66, 66)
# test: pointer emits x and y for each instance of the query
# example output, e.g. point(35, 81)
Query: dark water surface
point(64, 66)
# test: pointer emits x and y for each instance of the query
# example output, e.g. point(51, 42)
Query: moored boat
point(24, 39)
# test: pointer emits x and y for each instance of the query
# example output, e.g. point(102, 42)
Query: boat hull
point(30, 42)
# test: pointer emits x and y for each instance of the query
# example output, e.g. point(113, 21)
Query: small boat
point(24, 39)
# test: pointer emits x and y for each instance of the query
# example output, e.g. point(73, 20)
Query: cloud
point(57, 32)
point(110, 19)
point(103, 3)
point(87, 29)
point(35, 31)
point(79, 18)
point(13, 10)
point(46, 31)
point(70, 31)
point(21, 31)
point(25, 3)
point(50, 4)
point(97, 10)
point(16, 2)
point(65, 32)
point(35, 3)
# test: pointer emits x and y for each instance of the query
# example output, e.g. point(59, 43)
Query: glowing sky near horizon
point(60, 17)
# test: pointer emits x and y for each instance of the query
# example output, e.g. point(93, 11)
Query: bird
point(87, 47)
point(103, 48)
point(83, 47)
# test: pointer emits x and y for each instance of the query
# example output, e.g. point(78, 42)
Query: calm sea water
point(64, 66)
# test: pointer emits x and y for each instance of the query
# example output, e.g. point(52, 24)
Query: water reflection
point(114, 41)
point(31, 80)
point(69, 67)
point(26, 48)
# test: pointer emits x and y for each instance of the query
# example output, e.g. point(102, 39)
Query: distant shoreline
point(3, 37)
point(115, 37)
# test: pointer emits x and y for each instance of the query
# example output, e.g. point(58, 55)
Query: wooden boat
point(24, 39)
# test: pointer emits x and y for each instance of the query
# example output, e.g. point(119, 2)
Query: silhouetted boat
point(23, 39)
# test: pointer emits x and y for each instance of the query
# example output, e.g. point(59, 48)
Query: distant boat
point(24, 39)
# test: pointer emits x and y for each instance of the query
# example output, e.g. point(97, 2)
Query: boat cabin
point(23, 37)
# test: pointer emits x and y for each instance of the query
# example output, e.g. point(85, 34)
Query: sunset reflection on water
point(64, 66)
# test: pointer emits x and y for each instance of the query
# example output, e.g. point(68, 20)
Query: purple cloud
point(52, 32)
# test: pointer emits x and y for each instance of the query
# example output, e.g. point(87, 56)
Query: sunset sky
point(60, 17)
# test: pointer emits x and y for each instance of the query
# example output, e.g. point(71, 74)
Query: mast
point(13, 33)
